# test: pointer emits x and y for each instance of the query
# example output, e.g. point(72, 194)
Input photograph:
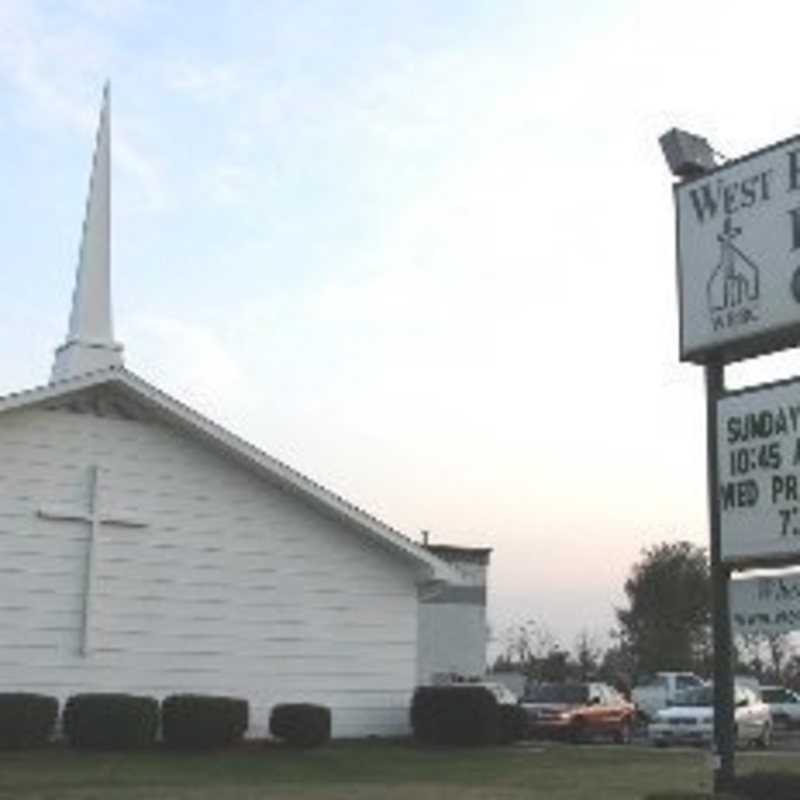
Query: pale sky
point(421, 251)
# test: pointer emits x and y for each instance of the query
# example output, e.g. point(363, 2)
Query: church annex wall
point(222, 584)
point(453, 629)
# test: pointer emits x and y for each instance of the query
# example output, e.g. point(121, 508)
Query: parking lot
point(783, 741)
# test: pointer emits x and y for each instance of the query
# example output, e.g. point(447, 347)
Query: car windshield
point(699, 696)
point(652, 682)
point(558, 693)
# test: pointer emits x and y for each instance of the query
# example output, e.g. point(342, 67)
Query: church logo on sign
point(733, 288)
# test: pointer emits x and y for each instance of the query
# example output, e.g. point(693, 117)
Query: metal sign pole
point(724, 739)
point(736, 303)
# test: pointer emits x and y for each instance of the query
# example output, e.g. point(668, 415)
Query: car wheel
point(578, 734)
point(765, 739)
point(623, 734)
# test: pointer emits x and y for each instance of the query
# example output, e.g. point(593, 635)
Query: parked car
point(784, 705)
point(690, 718)
point(657, 691)
point(578, 712)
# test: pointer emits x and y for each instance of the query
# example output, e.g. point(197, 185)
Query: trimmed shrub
point(455, 715)
point(513, 723)
point(110, 720)
point(774, 785)
point(198, 720)
point(26, 720)
point(301, 724)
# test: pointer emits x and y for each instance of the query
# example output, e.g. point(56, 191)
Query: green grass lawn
point(358, 771)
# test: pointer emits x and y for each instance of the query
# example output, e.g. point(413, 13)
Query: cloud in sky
point(56, 66)
point(192, 363)
point(423, 252)
point(203, 82)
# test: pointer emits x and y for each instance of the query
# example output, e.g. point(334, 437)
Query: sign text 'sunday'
point(759, 469)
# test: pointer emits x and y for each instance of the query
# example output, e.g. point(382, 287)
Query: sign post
point(738, 254)
point(724, 739)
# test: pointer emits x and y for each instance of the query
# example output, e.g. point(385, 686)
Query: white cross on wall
point(95, 516)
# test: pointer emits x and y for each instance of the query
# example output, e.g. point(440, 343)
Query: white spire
point(90, 340)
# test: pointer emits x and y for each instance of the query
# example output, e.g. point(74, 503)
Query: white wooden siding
point(235, 586)
point(452, 641)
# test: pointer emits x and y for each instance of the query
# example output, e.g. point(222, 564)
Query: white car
point(657, 691)
point(784, 704)
point(690, 719)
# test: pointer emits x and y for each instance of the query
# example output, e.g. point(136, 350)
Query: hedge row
point(450, 715)
point(200, 721)
point(301, 724)
point(26, 720)
point(513, 724)
point(117, 721)
point(464, 715)
point(112, 721)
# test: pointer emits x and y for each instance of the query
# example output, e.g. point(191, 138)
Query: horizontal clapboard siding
point(232, 586)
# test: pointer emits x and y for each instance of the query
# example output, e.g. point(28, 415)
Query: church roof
point(133, 389)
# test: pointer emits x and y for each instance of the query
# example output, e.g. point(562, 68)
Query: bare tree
point(587, 656)
point(766, 654)
point(526, 645)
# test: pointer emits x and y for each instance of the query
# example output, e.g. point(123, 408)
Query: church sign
point(758, 443)
point(739, 256)
point(766, 604)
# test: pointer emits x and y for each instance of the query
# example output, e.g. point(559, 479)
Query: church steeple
point(90, 344)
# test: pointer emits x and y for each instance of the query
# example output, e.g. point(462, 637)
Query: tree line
point(665, 624)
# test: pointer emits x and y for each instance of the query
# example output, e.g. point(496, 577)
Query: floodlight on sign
point(687, 154)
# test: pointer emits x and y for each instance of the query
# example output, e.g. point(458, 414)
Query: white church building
point(145, 549)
